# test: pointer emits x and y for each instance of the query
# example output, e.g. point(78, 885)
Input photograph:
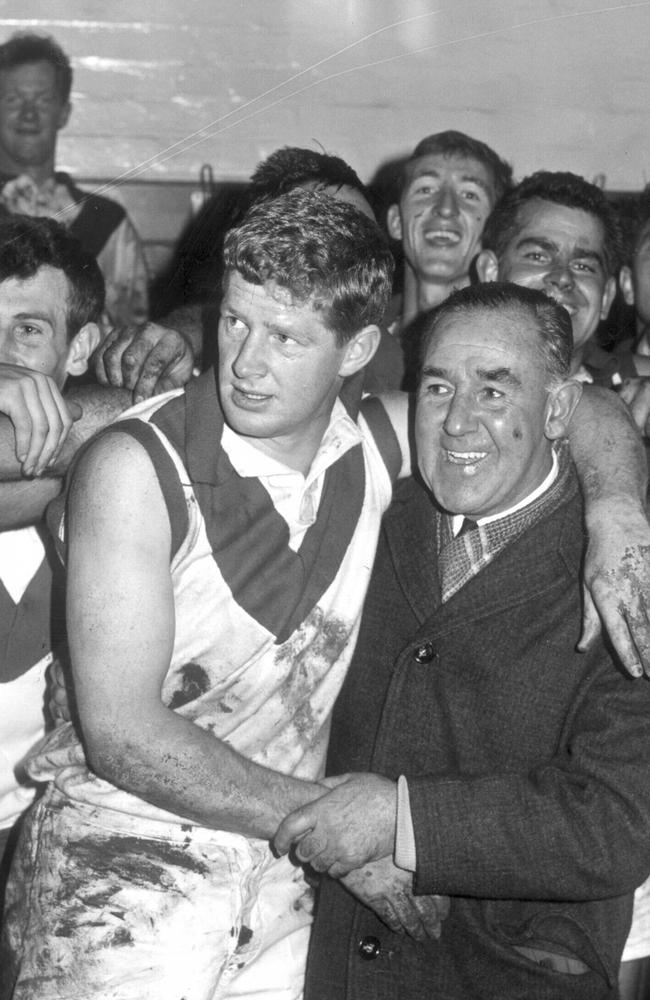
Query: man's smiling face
point(441, 215)
point(482, 412)
point(561, 251)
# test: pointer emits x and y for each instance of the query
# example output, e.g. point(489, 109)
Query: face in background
point(559, 251)
point(280, 368)
point(34, 326)
point(441, 214)
point(635, 281)
point(485, 418)
point(31, 114)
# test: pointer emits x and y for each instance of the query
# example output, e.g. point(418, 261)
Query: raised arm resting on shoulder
point(38, 437)
point(121, 613)
point(610, 459)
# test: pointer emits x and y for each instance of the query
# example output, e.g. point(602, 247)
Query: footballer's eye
point(233, 324)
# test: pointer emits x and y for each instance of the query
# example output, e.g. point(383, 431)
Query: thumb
point(590, 621)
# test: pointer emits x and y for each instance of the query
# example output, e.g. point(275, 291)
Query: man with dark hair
point(291, 167)
point(51, 300)
point(448, 187)
point(509, 771)
point(557, 232)
point(35, 83)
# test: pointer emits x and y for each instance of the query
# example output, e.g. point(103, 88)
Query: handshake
point(349, 833)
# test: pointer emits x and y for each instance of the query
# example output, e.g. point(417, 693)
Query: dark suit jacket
point(528, 766)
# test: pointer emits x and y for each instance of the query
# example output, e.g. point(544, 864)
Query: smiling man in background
point(35, 84)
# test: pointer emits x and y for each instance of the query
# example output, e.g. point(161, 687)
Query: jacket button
point(369, 948)
point(424, 653)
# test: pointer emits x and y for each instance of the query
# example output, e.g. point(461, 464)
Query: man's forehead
point(487, 339)
point(39, 71)
point(47, 291)
point(237, 286)
point(547, 219)
point(458, 164)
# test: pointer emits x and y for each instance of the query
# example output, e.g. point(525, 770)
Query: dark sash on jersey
point(249, 539)
point(34, 626)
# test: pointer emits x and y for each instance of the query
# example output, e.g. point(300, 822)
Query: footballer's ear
point(359, 350)
point(487, 266)
point(394, 222)
point(626, 284)
point(81, 347)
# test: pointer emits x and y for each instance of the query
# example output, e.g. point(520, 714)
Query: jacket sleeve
point(574, 828)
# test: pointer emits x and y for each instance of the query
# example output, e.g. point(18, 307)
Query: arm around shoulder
point(610, 460)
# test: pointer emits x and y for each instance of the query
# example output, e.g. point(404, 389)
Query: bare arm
point(610, 459)
point(121, 623)
point(24, 500)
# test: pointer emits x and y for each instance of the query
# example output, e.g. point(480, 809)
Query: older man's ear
point(560, 407)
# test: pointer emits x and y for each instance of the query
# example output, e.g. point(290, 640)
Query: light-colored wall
point(163, 86)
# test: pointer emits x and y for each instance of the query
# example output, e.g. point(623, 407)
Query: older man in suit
point(509, 772)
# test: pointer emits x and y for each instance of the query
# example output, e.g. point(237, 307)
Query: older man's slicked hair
point(553, 323)
point(324, 252)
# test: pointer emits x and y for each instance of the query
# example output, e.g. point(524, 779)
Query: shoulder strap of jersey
point(382, 431)
point(166, 473)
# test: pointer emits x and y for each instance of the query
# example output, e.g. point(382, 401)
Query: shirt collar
point(548, 481)
point(203, 413)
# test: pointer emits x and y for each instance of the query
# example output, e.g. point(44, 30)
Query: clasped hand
point(349, 833)
point(347, 827)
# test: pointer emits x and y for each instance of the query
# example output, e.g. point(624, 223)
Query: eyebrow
point(578, 252)
point(35, 314)
point(504, 376)
point(465, 178)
